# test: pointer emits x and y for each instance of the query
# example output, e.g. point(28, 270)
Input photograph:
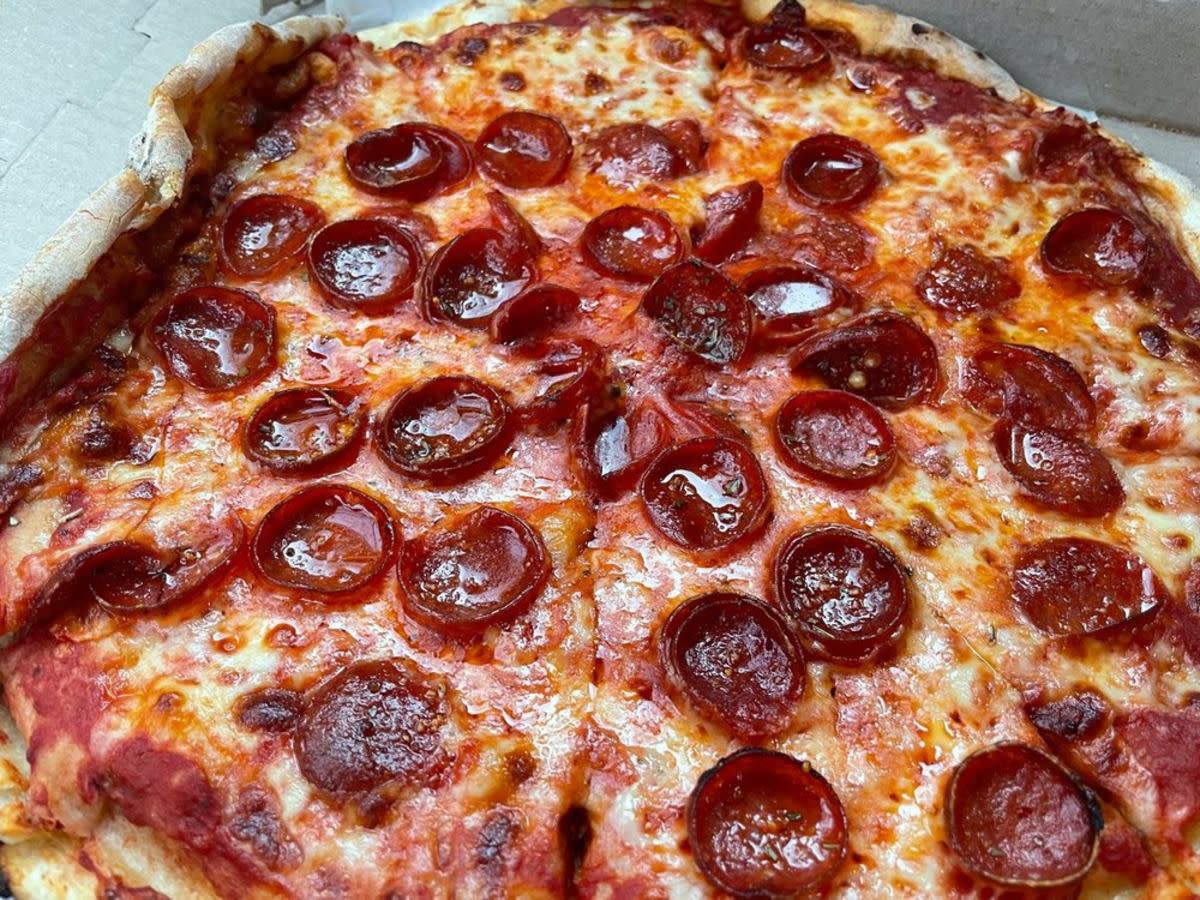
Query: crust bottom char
point(119, 856)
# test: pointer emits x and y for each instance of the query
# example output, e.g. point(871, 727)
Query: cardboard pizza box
point(79, 72)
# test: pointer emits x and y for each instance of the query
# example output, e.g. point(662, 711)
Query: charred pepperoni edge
point(1086, 796)
point(806, 402)
point(315, 217)
point(339, 400)
point(273, 524)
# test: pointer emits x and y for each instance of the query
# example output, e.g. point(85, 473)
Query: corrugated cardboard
point(77, 74)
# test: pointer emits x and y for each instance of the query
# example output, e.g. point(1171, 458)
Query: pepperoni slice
point(614, 448)
point(836, 438)
point(128, 576)
point(730, 219)
point(735, 660)
point(1016, 817)
point(371, 723)
point(513, 225)
point(1076, 586)
point(705, 494)
point(764, 824)
point(216, 338)
point(470, 277)
point(328, 538)
point(844, 590)
point(524, 150)
point(883, 356)
point(831, 171)
point(485, 569)
point(369, 265)
point(1058, 470)
point(270, 709)
point(1030, 386)
point(304, 430)
point(630, 154)
point(261, 233)
point(1100, 247)
point(961, 281)
point(789, 49)
point(445, 430)
point(631, 242)
point(413, 161)
point(688, 136)
point(702, 311)
point(790, 299)
point(570, 373)
point(534, 312)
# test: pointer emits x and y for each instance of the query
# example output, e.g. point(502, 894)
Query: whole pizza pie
point(672, 450)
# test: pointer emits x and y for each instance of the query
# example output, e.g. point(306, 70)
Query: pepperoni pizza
point(655, 450)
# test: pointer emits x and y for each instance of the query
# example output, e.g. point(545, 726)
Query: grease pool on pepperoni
point(570, 373)
point(1078, 586)
point(844, 590)
point(734, 658)
point(706, 494)
point(1058, 470)
point(1016, 817)
point(882, 356)
point(785, 47)
point(327, 538)
point(764, 824)
point(413, 161)
point(1027, 385)
point(698, 308)
point(831, 171)
point(445, 430)
point(533, 313)
point(790, 299)
point(962, 280)
point(633, 153)
point(615, 446)
point(216, 338)
point(473, 275)
point(368, 265)
point(730, 220)
point(1098, 246)
point(524, 150)
point(304, 430)
point(836, 438)
point(631, 242)
point(486, 568)
point(372, 723)
point(259, 234)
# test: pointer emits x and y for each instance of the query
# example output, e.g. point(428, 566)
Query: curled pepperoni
point(369, 265)
point(764, 824)
point(1016, 817)
point(836, 438)
point(304, 430)
point(790, 299)
point(688, 137)
point(1058, 470)
point(513, 225)
point(702, 311)
point(844, 590)
point(1100, 247)
point(735, 660)
point(130, 577)
point(535, 311)
point(327, 538)
point(631, 242)
point(789, 49)
point(570, 373)
point(470, 277)
point(882, 356)
point(633, 153)
point(1062, 153)
point(1030, 386)
point(831, 171)
point(216, 338)
point(445, 430)
point(261, 233)
point(413, 161)
point(1076, 586)
point(615, 447)
point(485, 569)
point(960, 280)
point(524, 150)
point(705, 494)
point(730, 219)
point(371, 723)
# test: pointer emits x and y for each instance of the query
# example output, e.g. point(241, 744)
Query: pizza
point(659, 450)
